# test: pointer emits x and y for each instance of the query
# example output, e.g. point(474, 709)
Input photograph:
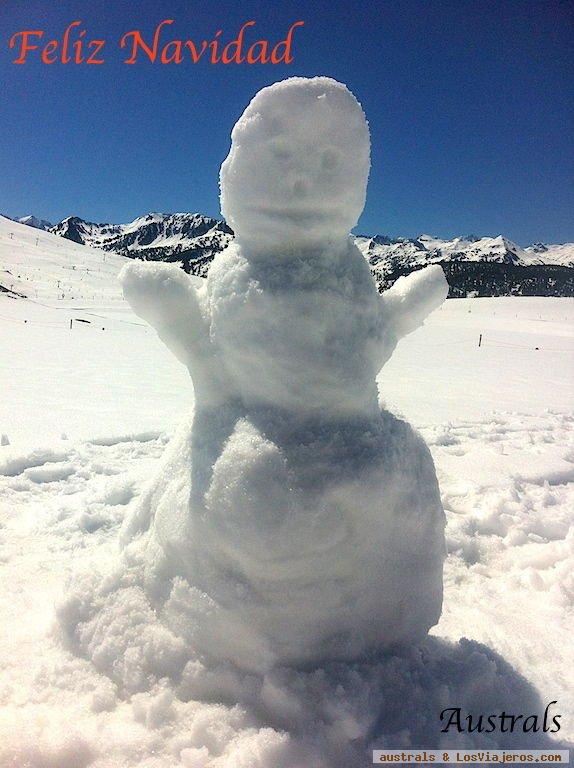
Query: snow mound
point(279, 564)
point(298, 166)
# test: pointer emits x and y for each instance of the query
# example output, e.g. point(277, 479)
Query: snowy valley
point(474, 266)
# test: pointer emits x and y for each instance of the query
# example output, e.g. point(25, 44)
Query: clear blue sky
point(469, 101)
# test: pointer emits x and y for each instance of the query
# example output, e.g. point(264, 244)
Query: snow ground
point(499, 423)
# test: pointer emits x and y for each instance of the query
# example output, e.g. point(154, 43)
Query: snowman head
point(296, 174)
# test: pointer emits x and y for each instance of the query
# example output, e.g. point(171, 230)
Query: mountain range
point(480, 266)
point(475, 266)
point(32, 221)
point(189, 238)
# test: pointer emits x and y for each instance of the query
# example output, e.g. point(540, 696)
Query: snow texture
point(145, 700)
point(506, 483)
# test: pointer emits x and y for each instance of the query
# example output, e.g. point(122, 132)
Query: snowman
point(292, 520)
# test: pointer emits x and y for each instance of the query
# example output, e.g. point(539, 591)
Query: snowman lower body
point(267, 540)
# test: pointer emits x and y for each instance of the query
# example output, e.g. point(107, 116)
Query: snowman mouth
point(291, 212)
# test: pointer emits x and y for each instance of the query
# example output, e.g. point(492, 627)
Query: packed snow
point(141, 658)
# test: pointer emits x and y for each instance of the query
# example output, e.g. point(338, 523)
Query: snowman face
point(297, 171)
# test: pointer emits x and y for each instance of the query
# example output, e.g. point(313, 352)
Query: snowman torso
point(304, 333)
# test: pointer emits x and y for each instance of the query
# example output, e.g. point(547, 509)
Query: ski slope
point(46, 268)
point(86, 413)
point(75, 359)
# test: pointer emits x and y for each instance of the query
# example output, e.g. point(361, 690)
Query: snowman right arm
point(413, 297)
point(170, 301)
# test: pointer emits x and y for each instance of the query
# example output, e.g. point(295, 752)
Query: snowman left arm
point(170, 301)
point(176, 305)
point(413, 297)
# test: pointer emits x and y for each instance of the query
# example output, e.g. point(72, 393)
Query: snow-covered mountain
point(191, 238)
point(562, 253)
point(34, 222)
point(480, 266)
point(417, 252)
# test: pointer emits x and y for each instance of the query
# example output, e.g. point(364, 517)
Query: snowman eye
point(281, 150)
point(299, 188)
point(328, 159)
